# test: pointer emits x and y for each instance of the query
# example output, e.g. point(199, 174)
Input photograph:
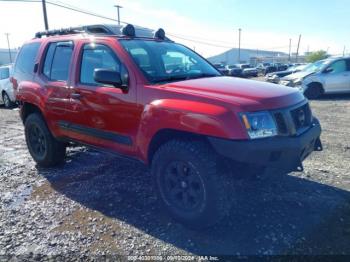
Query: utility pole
point(296, 56)
point(290, 48)
point(9, 48)
point(239, 45)
point(45, 15)
point(118, 7)
point(344, 50)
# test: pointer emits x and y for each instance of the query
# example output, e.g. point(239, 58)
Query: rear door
point(337, 80)
point(54, 78)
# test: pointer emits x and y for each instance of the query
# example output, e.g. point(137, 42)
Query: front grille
point(301, 116)
point(281, 123)
point(293, 121)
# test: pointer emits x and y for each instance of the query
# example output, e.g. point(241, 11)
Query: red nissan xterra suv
point(134, 92)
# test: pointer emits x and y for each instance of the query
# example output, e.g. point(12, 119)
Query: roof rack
point(107, 29)
point(92, 29)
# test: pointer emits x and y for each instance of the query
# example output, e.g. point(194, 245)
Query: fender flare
point(191, 117)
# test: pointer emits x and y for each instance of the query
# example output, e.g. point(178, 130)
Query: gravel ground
point(98, 204)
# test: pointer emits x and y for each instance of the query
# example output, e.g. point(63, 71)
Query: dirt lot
point(100, 204)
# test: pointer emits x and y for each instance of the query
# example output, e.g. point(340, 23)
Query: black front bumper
point(283, 153)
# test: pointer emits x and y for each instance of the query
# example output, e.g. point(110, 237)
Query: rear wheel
point(314, 91)
point(43, 147)
point(190, 183)
point(7, 102)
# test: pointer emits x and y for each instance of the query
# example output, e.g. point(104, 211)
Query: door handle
point(75, 95)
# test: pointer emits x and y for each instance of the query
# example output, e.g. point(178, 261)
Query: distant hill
point(231, 56)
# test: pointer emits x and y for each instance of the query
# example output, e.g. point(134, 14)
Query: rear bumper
point(284, 153)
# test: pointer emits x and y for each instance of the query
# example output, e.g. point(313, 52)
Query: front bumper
point(283, 153)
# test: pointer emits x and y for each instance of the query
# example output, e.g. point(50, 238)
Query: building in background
point(253, 57)
point(5, 57)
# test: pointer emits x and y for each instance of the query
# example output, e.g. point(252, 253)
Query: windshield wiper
point(170, 78)
point(202, 76)
point(183, 77)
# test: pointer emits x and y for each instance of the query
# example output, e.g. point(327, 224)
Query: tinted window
point(4, 73)
point(96, 56)
point(348, 64)
point(26, 60)
point(48, 60)
point(338, 67)
point(57, 61)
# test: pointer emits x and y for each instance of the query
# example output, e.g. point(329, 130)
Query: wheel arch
point(315, 84)
point(29, 108)
point(165, 135)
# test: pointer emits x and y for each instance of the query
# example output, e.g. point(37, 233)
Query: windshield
point(316, 67)
point(167, 61)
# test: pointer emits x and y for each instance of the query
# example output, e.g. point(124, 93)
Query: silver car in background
point(327, 76)
point(7, 97)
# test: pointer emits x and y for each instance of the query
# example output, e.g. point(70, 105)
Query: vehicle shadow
point(335, 97)
point(281, 214)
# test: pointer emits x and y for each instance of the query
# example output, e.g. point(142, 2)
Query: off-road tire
point(207, 166)
point(48, 152)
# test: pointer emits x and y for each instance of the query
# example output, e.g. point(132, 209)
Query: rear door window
point(57, 61)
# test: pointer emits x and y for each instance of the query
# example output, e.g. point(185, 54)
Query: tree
point(315, 56)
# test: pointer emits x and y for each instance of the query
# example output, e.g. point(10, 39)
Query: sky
point(208, 26)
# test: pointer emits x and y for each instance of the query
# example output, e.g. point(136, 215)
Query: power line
point(191, 39)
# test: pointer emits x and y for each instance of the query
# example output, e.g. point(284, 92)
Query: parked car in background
point(295, 80)
point(261, 67)
point(276, 76)
point(265, 68)
point(248, 70)
point(7, 97)
point(234, 70)
point(222, 68)
point(332, 76)
point(280, 66)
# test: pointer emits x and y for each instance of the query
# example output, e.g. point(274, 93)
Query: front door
point(102, 115)
point(338, 77)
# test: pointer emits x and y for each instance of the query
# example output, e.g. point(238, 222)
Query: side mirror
point(328, 70)
point(108, 76)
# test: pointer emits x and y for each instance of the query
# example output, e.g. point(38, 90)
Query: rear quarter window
point(24, 67)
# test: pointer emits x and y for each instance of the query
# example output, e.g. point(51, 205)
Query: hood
point(297, 75)
point(245, 94)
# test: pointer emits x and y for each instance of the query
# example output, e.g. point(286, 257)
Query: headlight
point(259, 124)
point(284, 82)
point(298, 82)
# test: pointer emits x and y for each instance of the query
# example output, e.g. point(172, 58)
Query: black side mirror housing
point(328, 70)
point(108, 77)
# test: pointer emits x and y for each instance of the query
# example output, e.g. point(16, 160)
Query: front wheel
point(314, 91)
point(43, 147)
point(191, 183)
